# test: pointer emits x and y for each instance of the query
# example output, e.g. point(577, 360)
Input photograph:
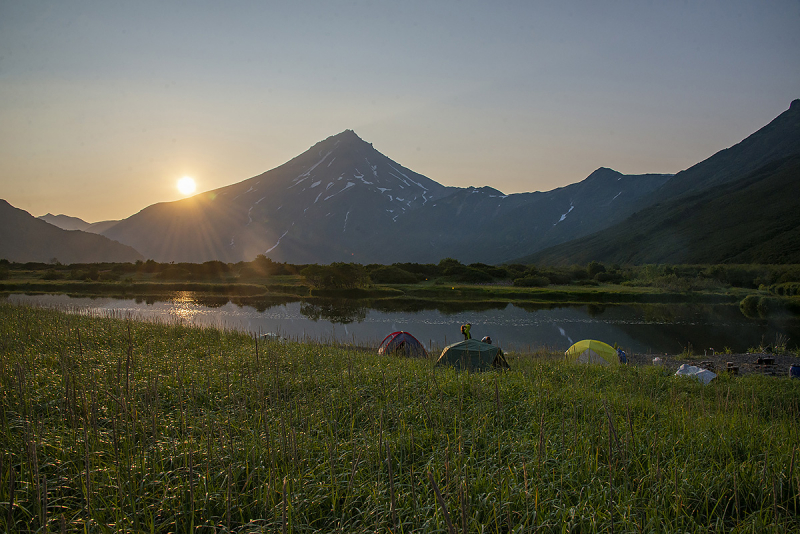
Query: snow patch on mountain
point(564, 216)
point(345, 188)
point(302, 177)
point(279, 241)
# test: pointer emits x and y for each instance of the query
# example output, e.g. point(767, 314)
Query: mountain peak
point(795, 104)
point(603, 172)
point(347, 136)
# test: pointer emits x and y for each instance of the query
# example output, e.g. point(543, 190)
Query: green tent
point(592, 351)
point(473, 355)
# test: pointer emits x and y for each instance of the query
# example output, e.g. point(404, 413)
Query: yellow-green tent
point(592, 351)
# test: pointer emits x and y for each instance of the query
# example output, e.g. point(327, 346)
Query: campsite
point(114, 424)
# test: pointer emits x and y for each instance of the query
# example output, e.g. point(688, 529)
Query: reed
point(110, 424)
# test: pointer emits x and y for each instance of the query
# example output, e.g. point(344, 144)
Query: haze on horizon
point(104, 106)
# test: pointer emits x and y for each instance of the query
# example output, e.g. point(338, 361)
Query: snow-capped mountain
point(329, 203)
point(342, 200)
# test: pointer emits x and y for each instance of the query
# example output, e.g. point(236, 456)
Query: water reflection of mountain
point(336, 311)
point(445, 307)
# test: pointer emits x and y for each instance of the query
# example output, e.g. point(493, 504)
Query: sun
point(186, 185)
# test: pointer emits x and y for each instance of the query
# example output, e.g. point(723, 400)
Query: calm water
point(640, 328)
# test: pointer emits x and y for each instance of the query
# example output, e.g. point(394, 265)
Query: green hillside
point(752, 220)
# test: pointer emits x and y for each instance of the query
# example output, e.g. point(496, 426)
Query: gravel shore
point(747, 362)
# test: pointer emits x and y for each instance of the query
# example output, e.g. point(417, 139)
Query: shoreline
point(747, 362)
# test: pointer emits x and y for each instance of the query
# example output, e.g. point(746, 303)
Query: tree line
point(780, 279)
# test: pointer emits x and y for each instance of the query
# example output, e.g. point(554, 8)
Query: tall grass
point(111, 425)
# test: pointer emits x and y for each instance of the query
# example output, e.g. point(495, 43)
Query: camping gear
point(402, 344)
point(592, 351)
point(473, 355)
point(794, 370)
point(703, 375)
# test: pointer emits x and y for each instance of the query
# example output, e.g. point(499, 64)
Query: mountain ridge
point(25, 238)
point(342, 200)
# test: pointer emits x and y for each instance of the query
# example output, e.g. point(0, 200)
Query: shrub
point(336, 276)
point(608, 277)
point(468, 275)
point(174, 273)
point(491, 270)
point(52, 274)
point(594, 268)
point(389, 274)
point(558, 278)
point(532, 281)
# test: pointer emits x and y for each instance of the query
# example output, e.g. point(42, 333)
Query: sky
point(105, 105)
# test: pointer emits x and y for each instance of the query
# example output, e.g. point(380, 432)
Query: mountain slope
point(331, 203)
point(752, 220)
point(24, 238)
point(483, 225)
point(65, 222)
point(778, 139)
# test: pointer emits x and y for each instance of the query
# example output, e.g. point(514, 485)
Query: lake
point(644, 328)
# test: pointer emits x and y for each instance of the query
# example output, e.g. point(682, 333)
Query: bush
point(52, 274)
point(789, 289)
point(608, 277)
point(174, 273)
point(558, 278)
point(468, 275)
point(594, 268)
point(389, 274)
point(532, 281)
point(336, 276)
point(491, 270)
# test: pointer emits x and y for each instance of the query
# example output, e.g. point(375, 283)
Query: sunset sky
point(105, 105)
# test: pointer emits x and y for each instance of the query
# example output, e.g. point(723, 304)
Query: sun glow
point(186, 185)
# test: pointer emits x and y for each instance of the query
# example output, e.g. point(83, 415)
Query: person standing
point(465, 330)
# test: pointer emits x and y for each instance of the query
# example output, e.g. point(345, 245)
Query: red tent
point(402, 344)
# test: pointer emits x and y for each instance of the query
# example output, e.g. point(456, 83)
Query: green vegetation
point(750, 219)
point(113, 425)
point(771, 289)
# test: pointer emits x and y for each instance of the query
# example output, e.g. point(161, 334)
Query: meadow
point(110, 424)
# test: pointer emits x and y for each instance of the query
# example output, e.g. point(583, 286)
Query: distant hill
point(483, 225)
point(100, 227)
point(65, 222)
point(24, 238)
point(752, 220)
point(727, 208)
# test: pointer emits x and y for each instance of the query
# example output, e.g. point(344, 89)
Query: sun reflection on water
point(185, 308)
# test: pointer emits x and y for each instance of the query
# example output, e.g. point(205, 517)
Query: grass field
point(113, 425)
